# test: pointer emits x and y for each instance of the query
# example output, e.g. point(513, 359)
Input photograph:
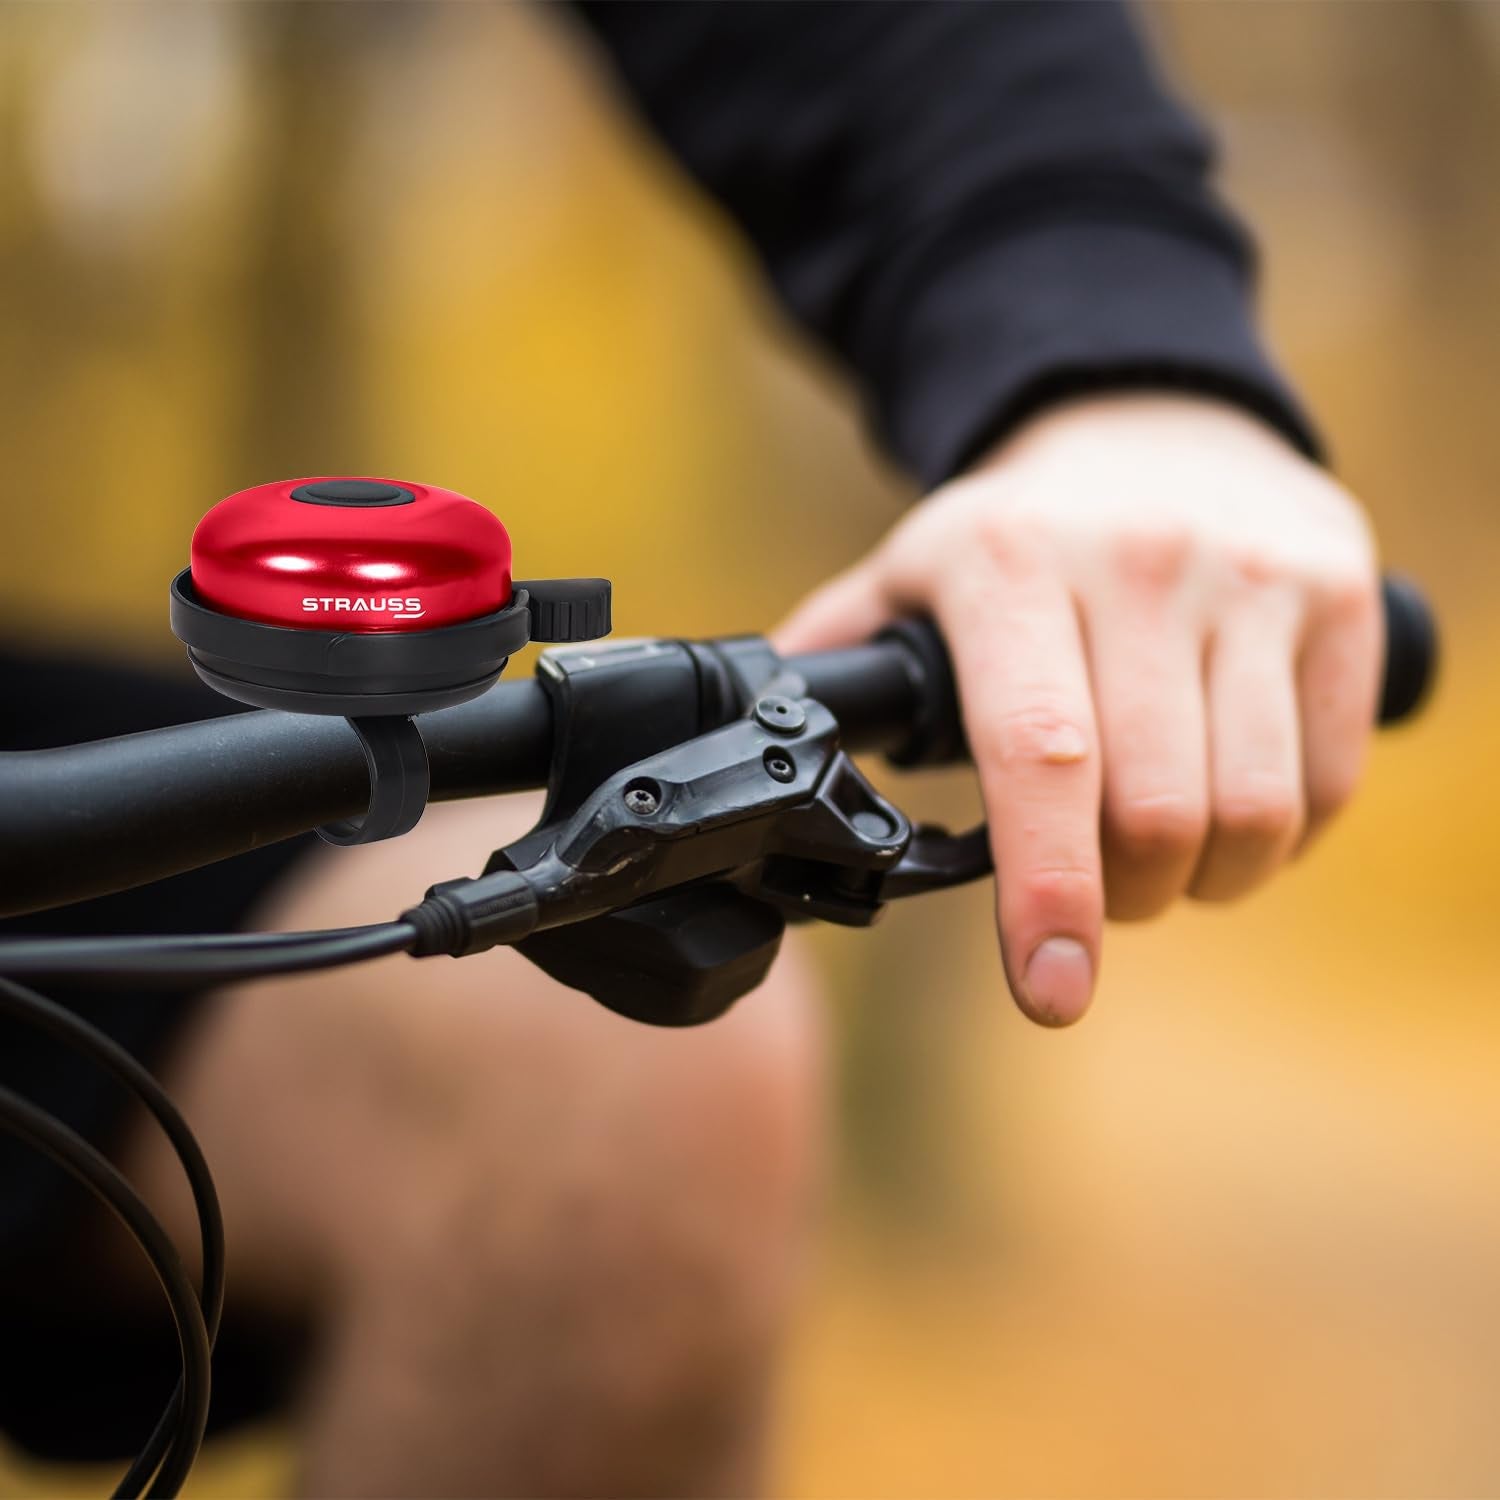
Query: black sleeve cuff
point(1059, 310)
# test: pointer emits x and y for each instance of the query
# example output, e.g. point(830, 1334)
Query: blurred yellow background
point(1237, 1235)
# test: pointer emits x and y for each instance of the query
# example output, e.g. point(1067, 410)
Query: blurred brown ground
point(1237, 1235)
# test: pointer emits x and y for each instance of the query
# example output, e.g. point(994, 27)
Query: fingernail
point(1059, 982)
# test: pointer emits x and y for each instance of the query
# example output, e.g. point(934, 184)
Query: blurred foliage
point(1239, 1233)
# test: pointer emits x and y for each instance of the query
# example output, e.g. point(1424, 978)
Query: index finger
point(1019, 657)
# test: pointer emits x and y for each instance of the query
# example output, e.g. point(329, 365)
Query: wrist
point(1140, 418)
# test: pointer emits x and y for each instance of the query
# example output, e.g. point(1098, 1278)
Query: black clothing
point(979, 207)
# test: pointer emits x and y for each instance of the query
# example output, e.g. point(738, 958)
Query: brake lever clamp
point(667, 861)
point(664, 894)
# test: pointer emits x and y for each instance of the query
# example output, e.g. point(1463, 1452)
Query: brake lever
point(935, 860)
point(665, 893)
point(667, 861)
point(768, 801)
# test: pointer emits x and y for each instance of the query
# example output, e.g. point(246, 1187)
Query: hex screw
point(779, 768)
point(641, 801)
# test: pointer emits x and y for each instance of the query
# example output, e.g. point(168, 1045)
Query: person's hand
point(1166, 630)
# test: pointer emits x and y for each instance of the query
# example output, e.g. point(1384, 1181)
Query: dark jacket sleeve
point(980, 207)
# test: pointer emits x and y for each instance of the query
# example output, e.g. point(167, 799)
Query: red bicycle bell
point(352, 554)
point(370, 598)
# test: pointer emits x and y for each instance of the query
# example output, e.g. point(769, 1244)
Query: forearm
point(979, 208)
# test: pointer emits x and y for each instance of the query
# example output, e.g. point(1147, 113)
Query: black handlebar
point(1411, 649)
point(88, 819)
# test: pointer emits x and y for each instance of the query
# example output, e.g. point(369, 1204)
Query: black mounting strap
point(399, 781)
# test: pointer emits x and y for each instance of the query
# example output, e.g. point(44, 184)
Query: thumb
point(849, 608)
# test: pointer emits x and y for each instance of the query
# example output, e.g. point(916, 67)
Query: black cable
point(68, 1150)
point(22, 1004)
point(187, 960)
point(190, 960)
point(482, 913)
point(210, 942)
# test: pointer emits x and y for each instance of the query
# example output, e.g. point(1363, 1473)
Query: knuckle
point(1147, 826)
point(1051, 894)
point(1252, 569)
point(1349, 598)
point(1009, 540)
point(1262, 814)
point(1255, 569)
point(1155, 558)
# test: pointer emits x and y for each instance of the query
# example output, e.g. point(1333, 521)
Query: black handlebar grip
point(1411, 649)
point(1411, 652)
